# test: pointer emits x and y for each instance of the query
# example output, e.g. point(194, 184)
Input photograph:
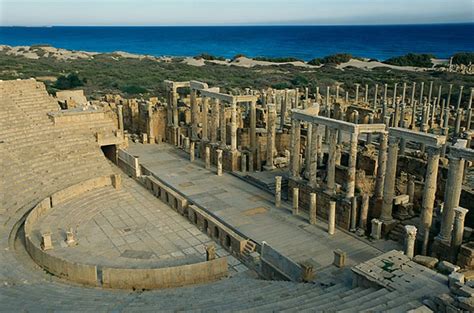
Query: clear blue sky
point(233, 12)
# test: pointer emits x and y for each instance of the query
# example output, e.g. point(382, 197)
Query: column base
point(441, 248)
point(269, 167)
point(231, 160)
point(388, 226)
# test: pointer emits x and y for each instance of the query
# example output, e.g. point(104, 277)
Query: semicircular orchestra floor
point(127, 228)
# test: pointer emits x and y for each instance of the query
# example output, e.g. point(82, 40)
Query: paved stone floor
point(127, 228)
point(250, 210)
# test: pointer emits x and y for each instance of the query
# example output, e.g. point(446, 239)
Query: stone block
point(401, 199)
point(427, 261)
point(466, 303)
point(339, 258)
point(46, 242)
point(210, 252)
point(376, 229)
point(465, 291)
point(421, 309)
point(454, 278)
point(447, 268)
point(467, 249)
point(117, 181)
point(308, 274)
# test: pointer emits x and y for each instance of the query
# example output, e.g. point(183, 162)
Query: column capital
point(392, 140)
point(460, 213)
point(411, 231)
point(433, 151)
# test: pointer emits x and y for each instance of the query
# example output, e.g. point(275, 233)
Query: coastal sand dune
point(36, 52)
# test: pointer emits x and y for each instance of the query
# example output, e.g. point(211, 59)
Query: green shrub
point(337, 58)
point(133, 90)
point(209, 57)
point(412, 59)
point(463, 58)
point(69, 81)
point(240, 55)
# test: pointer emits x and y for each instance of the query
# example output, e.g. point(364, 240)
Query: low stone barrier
point(277, 266)
point(229, 239)
point(129, 163)
point(166, 194)
point(169, 277)
point(76, 272)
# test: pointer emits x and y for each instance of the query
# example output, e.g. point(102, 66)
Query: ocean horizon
point(299, 41)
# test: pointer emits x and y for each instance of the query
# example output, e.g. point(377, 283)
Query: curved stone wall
point(122, 278)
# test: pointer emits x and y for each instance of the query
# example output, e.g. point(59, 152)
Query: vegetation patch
point(412, 59)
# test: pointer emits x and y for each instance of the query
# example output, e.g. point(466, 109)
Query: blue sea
point(304, 42)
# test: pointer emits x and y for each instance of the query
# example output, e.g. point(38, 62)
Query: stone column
point(366, 98)
point(309, 148)
point(394, 99)
point(356, 117)
point(353, 214)
point(382, 164)
point(457, 125)
point(205, 109)
point(312, 209)
point(207, 156)
point(385, 91)
point(364, 212)
point(297, 97)
point(469, 111)
point(194, 115)
point(214, 120)
point(404, 92)
point(448, 101)
point(271, 133)
point(458, 105)
point(295, 148)
point(233, 127)
point(451, 197)
point(331, 165)
point(458, 231)
point(357, 93)
point(219, 162)
point(223, 126)
point(277, 191)
point(410, 237)
point(191, 151)
point(175, 108)
point(376, 229)
point(169, 108)
point(313, 158)
point(332, 218)
point(328, 105)
point(396, 119)
point(243, 163)
point(422, 86)
point(284, 106)
point(413, 90)
point(429, 191)
point(351, 168)
point(371, 121)
point(389, 183)
point(295, 208)
point(430, 92)
point(413, 115)
point(253, 127)
point(120, 117)
point(376, 96)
